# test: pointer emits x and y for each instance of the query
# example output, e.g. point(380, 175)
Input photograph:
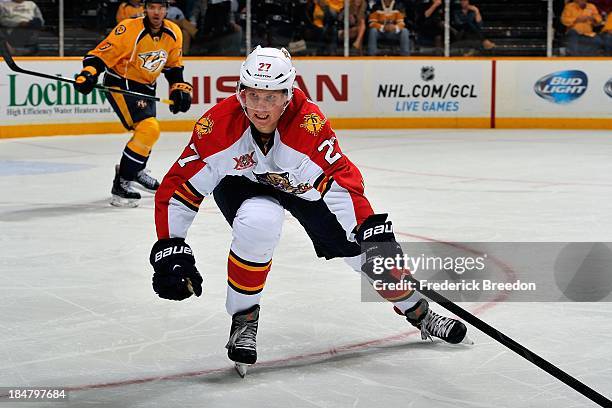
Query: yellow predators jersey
point(131, 52)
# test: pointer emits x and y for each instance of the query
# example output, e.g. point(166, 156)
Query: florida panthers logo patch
point(245, 161)
point(280, 181)
point(204, 126)
point(154, 61)
point(313, 123)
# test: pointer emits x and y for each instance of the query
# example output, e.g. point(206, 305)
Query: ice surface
point(78, 311)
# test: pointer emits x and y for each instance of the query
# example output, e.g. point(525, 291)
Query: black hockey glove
point(86, 80)
point(175, 277)
point(377, 241)
point(180, 94)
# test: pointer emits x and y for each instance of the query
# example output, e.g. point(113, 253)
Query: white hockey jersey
point(304, 159)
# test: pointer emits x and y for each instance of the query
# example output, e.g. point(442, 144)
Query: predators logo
point(313, 123)
point(120, 29)
point(204, 126)
point(280, 181)
point(154, 61)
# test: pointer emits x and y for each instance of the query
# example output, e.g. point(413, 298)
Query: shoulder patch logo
point(313, 123)
point(105, 46)
point(120, 29)
point(154, 60)
point(204, 126)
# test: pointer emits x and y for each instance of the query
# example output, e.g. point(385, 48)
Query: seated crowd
point(20, 22)
point(317, 27)
point(399, 23)
point(588, 27)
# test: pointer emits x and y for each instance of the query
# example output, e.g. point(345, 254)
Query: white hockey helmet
point(268, 69)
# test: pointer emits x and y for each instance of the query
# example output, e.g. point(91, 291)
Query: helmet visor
point(262, 100)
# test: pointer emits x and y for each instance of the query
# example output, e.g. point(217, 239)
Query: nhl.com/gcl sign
point(562, 87)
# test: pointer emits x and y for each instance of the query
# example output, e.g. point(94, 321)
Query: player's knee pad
point(146, 134)
point(256, 229)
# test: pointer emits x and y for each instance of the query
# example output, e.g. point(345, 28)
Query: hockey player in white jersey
point(265, 150)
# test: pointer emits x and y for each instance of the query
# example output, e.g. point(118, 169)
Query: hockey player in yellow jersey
point(132, 57)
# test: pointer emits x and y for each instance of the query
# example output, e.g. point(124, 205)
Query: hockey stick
point(8, 58)
point(513, 345)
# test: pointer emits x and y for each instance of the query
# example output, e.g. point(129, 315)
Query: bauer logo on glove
point(377, 230)
point(173, 251)
point(175, 276)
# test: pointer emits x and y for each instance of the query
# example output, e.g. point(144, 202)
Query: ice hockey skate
point(145, 181)
point(123, 194)
point(433, 325)
point(242, 346)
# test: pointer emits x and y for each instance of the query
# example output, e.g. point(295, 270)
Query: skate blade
point(241, 369)
point(117, 201)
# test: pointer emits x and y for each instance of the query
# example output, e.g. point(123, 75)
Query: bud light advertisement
point(608, 88)
point(562, 87)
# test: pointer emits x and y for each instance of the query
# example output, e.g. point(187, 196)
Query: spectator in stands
point(387, 22)
point(188, 8)
point(357, 23)
point(467, 26)
point(606, 35)
point(189, 30)
point(22, 21)
point(129, 9)
point(323, 18)
point(197, 12)
point(581, 17)
point(218, 32)
point(327, 10)
point(604, 6)
point(430, 22)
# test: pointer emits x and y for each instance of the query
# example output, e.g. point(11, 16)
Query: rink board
point(353, 93)
point(569, 93)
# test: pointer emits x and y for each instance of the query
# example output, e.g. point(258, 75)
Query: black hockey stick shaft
point(514, 346)
point(8, 58)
